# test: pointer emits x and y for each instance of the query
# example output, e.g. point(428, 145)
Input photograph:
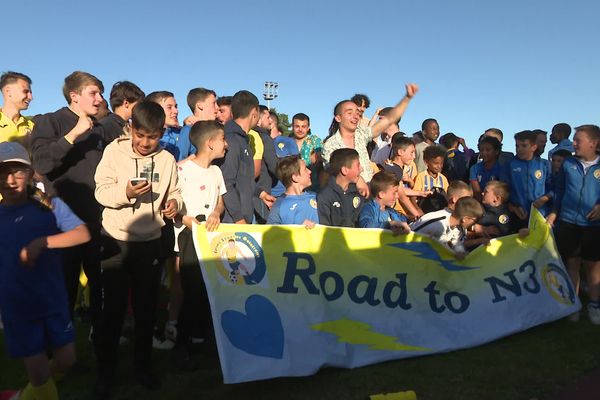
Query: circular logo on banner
point(503, 219)
point(558, 284)
point(242, 258)
point(538, 174)
point(597, 174)
point(356, 201)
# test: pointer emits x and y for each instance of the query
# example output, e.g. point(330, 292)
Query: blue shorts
point(26, 338)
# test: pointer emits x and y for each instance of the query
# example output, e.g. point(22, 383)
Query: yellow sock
point(47, 391)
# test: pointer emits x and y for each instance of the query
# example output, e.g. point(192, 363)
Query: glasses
point(17, 173)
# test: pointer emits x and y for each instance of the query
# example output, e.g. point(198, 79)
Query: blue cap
point(285, 146)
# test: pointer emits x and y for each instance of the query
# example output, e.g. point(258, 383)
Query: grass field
point(530, 365)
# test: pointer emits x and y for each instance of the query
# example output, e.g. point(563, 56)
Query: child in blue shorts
point(33, 297)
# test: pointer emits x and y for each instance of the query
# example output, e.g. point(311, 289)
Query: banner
point(287, 300)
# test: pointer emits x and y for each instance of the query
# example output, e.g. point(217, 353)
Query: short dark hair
point(562, 153)
point(198, 94)
point(203, 131)
point(286, 168)
point(360, 98)
point(467, 207)
point(341, 158)
point(381, 181)
point(539, 132)
point(448, 140)
point(526, 136)
point(432, 152)
point(148, 116)
point(385, 111)
point(492, 141)
point(78, 80)
point(496, 131)
point(159, 96)
point(224, 101)
point(11, 77)
point(427, 122)
point(400, 143)
point(301, 117)
point(242, 103)
point(124, 90)
point(274, 115)
point(337, 110)
point(563, 129)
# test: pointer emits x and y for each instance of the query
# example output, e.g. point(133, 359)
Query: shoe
point(594, 314)
point(159, 344)
point(171, 331)
point(147, 379)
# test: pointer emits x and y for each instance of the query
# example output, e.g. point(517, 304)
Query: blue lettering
point(369, 295)
point(291, 271)
point(338, 285)
point(401, 300)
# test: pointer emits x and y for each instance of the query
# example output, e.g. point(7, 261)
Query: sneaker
point(147, 379)
point(166, 344)
point(594, 314)
point(171, 331)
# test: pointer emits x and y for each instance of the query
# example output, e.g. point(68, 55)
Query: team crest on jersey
point(356, 201)
point(280, 145)
point(313, 203)
point(538, 174)
point(503, 219)
point(597, 174)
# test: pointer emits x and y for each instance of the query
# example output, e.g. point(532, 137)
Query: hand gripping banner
point(286, 300)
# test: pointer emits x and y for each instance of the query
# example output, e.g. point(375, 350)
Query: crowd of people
point(119, 189)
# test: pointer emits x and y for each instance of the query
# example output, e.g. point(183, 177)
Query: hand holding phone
point(136, 187)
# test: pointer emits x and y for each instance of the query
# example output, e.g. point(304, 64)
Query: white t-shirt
point(200, 190)
point(587, 164)
point(436, 225)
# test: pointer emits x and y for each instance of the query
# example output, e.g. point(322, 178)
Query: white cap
point(13, 152)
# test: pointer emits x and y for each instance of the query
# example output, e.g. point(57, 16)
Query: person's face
point(300, 128)
point(407, 155)
point(525, 150)
point(349, 116)
point(89, 101)
point(584, 146)
point(208, 108)
point(362, 108)
point(171, 112)
point(353, 172)
point(435, 165)
point(389, 196)
point(557, 162)
point(218, 144)
point(14, 177)
point(303, 178)
point(540, 141)
point(467, 222)
point(487, 152)
point(144, 143)
point(224, 114)
point(19, 94)
point(554, 137)
point(254, 117)
point(432, 131)
point(265, 120)
point(488, 196)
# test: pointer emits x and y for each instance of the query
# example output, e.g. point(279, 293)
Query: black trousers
point(88, 256)
point(195, 317)
point(125, 266)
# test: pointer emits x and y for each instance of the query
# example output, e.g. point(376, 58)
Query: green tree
point(284, 122)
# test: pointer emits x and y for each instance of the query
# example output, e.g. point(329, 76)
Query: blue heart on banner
point(259, 331)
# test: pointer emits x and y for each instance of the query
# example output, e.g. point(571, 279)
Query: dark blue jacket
point(371, 216)
point(528, 180)
point(576, 192)
point(339, 208)
point(238, 173)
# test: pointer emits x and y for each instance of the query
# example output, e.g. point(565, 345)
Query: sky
point(512, 64)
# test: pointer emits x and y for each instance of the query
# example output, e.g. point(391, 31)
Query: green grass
point(532, 364)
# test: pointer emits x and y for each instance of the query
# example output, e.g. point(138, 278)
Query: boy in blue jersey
point(171, 138)
point(528, 177)
point(33, 299)
point(577, 208)
point(295, 206)
point(488, 169)
point(378, 212)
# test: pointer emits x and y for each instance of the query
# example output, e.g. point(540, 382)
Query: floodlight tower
point(270, 92)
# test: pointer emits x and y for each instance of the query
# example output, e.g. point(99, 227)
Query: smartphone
point(138, 181)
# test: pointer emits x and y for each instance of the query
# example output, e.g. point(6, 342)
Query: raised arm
point(396, 113)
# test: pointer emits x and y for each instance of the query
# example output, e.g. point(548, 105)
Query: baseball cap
point(285, 146)
point(13, 152)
